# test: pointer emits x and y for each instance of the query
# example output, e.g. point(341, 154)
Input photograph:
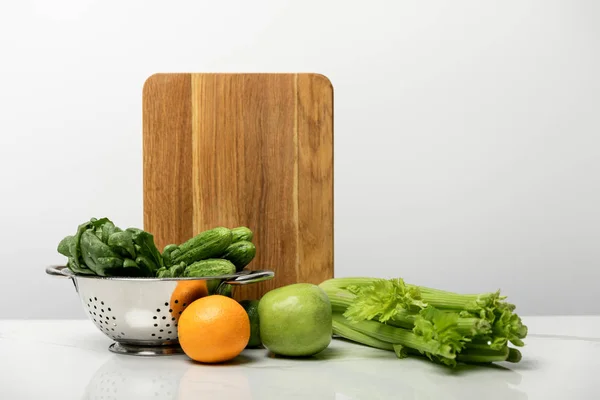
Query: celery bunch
point(446, 327)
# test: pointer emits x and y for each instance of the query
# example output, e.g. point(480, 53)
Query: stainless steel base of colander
point(137, 350)
point(141, 315)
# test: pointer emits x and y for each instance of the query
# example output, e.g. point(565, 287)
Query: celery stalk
point(399, 336)
point(480, 355)
point(458, 302)
point(473, 326)
point(341, 328)
point(466, 326)
point(341, 299)
point(343, 283)
point(406, 321)
point(514, 355)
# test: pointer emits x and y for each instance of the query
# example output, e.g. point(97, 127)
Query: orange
point(214, 329)
point(184, 294)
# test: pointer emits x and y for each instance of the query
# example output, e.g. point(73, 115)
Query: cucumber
point(251, 307)
point(203, 237)
point(240, 253)
point(169, 248)
point(208, 244)
point(167, 253)
point(223, 289)
point(241, 233)
point(174, 271)
point(210, 267)
point(175, 253)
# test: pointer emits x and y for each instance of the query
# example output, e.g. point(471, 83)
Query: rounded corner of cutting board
point(157, 79)
point(324, 79)
point(151, 80)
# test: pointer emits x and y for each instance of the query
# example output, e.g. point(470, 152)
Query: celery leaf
point(383, 300)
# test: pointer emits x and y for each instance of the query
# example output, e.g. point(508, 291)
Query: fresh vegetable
point(241, 233)
point(210, 267)
point(240, 253)
point(251, 307)
point(100, 248)
point(295, 320)
point(224, 289)
point(174, 271)
point(208, 244)
point(167, 253)
point(446, 327)
point(342, 328)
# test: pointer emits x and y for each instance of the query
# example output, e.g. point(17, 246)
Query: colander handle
point(251, 277)
point(55, 270)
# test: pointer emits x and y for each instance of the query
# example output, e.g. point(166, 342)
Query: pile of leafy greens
point(101, 248)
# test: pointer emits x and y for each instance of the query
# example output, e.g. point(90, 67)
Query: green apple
point(295, 320)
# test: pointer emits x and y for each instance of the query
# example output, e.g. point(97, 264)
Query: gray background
point(466, 132)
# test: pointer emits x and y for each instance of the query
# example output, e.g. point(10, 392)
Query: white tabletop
point(70, 360)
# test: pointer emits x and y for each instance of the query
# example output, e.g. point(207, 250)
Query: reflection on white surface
point(343, 371)
point(69, 360)
point(215, 382)
point(129, 377)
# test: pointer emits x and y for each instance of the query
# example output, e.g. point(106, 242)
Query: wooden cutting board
point(251, 150)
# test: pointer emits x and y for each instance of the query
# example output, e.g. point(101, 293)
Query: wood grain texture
point(315, 175)
point(260, 155)
point(167, 157)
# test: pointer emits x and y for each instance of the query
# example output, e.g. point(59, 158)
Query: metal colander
point(141, 314)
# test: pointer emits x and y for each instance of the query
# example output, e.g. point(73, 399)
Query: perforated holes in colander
point(102, 316)
point(164, 323)
point(158, 321)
